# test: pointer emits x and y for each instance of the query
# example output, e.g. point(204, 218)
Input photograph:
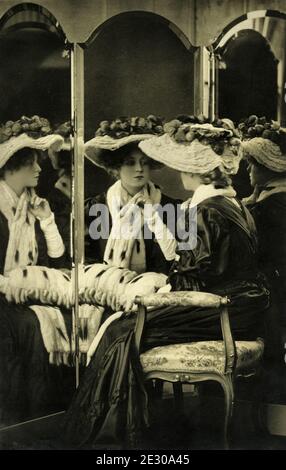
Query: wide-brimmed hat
point(266, 153)
point(65, 131)
point(34, 133)
point(265, 142)
point(194, 148)
point(116, 134)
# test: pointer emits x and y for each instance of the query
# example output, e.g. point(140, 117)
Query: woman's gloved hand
point(40, 207)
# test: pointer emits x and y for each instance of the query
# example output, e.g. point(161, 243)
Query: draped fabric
point(22, 248)
point(269, 213)
point(29, 386)
point(125, 245)
point(110, 407)
point(95, 248)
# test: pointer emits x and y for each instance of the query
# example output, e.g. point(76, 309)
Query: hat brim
point(266, 153)
point(94, 148)
point(67, 145)
point(14, 144)
point(191, 157)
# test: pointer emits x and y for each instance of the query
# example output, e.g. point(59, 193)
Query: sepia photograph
point(143, 227)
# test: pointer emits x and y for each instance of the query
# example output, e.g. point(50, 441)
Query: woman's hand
point(141, 201)
point(127, 303)
point(40, 207)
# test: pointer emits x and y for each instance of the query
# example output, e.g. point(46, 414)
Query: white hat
point(112, 135)
point(12, 145)
point(94, 148)
point(192, 156)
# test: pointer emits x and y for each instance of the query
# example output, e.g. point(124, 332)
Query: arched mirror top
point(36, 181)
point(250, 54)
point(261, 21)
point(140, 14)
point(31, 15)
point(150, 71)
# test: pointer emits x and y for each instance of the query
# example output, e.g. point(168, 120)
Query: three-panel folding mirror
point(134, 64)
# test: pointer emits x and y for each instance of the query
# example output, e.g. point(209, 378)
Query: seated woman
point(110, 406)
point(266, 156)
point(29, 237)
point(115, 148)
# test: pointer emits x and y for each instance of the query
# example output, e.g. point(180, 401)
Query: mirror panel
point(250, 58)
point(251, 62)
point(36, 351)
point(149, 71)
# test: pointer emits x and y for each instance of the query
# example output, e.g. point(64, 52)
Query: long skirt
point(29, 386)
point(110, 407)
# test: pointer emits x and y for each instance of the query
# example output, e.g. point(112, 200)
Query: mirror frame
point(215, 48)
point(53, 26)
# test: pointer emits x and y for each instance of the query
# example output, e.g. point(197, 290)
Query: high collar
point(205, 191)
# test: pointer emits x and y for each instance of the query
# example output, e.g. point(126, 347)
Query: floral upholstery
point(202, 356)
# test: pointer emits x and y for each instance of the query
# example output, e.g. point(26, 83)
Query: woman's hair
point(217, 178)
point(22, 158)
point(113, 160)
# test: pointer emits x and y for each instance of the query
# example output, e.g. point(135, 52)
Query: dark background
point(136, 66)
point(34, 79)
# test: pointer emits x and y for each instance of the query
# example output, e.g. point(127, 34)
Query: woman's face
point(28, 176)
point(191, 181)
point(256, 175)
point(135, 171)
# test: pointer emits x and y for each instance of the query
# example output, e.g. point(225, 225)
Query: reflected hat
point(194, 148)
point(265, 142)
point(122, 131)
point(65, 131)
point(34, 133)
point(266, 153)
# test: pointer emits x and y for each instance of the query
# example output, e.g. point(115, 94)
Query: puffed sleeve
point(207, 259)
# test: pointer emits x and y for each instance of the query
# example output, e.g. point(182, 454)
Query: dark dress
point(110, 407)
point(61, 206)
point(29, 386)
point(270, 218)
point(94, 249)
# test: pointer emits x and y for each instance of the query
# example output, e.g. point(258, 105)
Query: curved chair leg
point(228, 389)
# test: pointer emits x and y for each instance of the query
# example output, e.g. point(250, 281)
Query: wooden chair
point(220, 361)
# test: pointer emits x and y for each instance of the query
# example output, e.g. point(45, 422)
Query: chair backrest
point(192, 299)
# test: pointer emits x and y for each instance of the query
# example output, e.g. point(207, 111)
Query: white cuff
point(45, 222)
